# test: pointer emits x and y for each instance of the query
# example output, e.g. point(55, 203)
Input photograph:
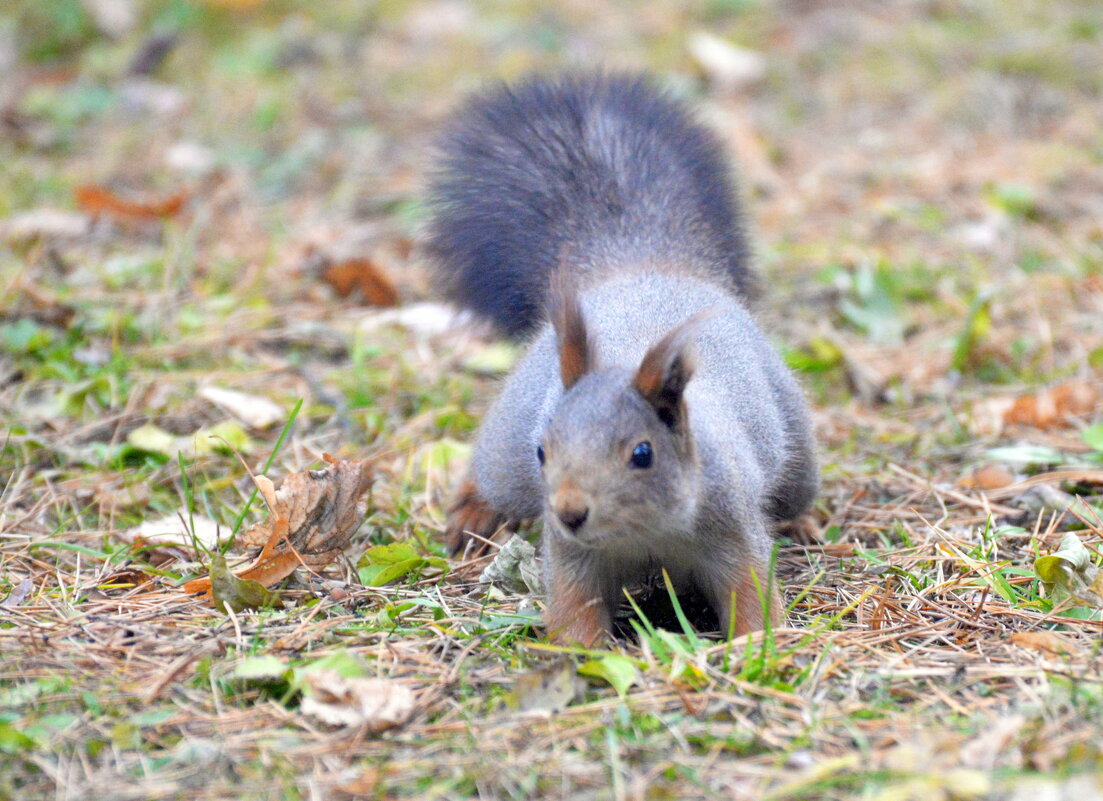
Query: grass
point(923, 183)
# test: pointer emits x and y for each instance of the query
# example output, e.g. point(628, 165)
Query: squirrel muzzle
point(570, 506)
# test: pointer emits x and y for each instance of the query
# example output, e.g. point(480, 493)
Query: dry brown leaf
point(98, 200)
point(313, 516)
point(376, 704)
point(1046, 409)
point(1048, 642)
point(365, 784)
point(376, 289)
point(989, 477)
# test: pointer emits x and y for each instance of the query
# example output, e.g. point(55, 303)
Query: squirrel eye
point(641, 456)
point(540, 454)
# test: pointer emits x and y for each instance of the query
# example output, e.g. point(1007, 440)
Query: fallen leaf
point(1046, 409)
point(171, 533)
point(115, 18)
point(225, 437)
point(44, 224)
point(261, 668)
point(495, 359)
point(1068, 573)
point(429, 319)
point(17, 595)
point(514, 568)
point(550, 688)
point(98, 200)
point(191, 159)
point(230, 592)
point(152, 439)
point(376, 289)
point(313, 516)
point(252, 410)
point(989, 477)
point(619, 671)
point(343, 663)
point(375, 704)
point(382, 564)
point(1027, 453)
point(364, 784)
point(1048, 642)
point(725, 64)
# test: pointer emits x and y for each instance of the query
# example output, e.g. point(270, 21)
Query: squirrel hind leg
point(473, 524)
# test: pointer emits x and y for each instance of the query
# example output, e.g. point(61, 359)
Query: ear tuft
point(666, 369)
point(576, 352)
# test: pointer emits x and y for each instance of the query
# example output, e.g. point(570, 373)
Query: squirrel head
point(617, 457)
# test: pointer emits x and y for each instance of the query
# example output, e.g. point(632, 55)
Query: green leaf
point(387, 554)
point(619, 671)
point(382, 564)
point(235, 593)
point(494, 359)
point(224, 437)
point(1027, 454)
point(978, 323)
point(260, 668)
point(152, 717)
point(1093, 436)
point(344, 663)
point(875, 304)
point(1068, 573)
point(12, 740)
point(152, 439)
point(379, 575)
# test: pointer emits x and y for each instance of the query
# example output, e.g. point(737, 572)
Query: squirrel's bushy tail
point(598, 172)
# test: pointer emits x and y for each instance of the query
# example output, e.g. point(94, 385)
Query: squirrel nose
point(572, 518)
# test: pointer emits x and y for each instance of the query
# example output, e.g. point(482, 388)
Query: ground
point(184, 185)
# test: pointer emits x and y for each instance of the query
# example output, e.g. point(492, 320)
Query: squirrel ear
point(576, 352)
point(666, 369)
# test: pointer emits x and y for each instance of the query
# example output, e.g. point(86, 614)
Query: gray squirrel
point(651, 423)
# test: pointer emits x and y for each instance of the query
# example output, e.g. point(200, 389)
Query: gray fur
point(705, 509)
point(747, 420)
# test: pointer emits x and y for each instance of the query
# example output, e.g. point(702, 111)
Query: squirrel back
point(600, 173)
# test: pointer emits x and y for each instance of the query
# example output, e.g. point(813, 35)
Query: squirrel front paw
point(472, 524)
point(579, 611)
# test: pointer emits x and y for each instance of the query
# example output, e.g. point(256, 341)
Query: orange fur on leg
point(749, 614)
point(471, 515)
point(577, 613)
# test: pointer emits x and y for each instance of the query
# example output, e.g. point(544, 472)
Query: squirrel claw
point(472, 524)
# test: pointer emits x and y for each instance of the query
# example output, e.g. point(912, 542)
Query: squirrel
point(651, 423)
